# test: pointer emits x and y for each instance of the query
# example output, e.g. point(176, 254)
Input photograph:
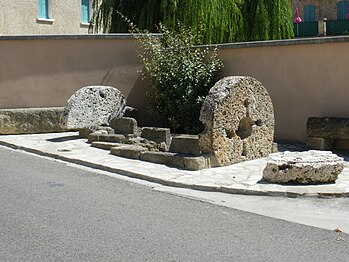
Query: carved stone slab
point(239, 121)
point(93, 105)
point(309, 167)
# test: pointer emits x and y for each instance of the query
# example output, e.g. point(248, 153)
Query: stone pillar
point(322, 27)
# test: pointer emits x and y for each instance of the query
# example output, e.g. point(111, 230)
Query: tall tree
point(219, 20)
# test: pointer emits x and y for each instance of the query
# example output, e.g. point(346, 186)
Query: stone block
point(275, 148)
point(320, 143)
point(129, 151)
point(131, 112)
point(85, 132)
point(239, 121)
point(185, 144)
point(175, 160)
point(93, 105)
point(124, 125)
point(309, 167)
point(328, 127)
point(157, 157)
point(195, 163)
point(158, 135)
point(115, 138)
point(105, 145)
point(30, 120)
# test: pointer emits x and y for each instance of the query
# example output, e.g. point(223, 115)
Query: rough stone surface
point(328, 127)
point(105, 145)
point(185, 144)
point(115, 138)
point(175, 160)
point(320, 143)
point(129, 151)
point(85, 132)
point(30, 120)
point(308, 167)
point(131, 112)
point(239, 121)
point(93, 105)
point(158, 135)
point(124, 125)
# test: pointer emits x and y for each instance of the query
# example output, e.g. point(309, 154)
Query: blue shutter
point(342, 9)
point(309, 13)
point(85, 11)
point(43, 8)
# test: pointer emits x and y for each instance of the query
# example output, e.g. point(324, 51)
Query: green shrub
point(180, 74)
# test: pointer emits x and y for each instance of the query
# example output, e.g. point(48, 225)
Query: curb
point(164, 182)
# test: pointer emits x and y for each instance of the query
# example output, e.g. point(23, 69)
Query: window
point(85, 11)
point(309, 13)
point(342, 9)
point(43, 9)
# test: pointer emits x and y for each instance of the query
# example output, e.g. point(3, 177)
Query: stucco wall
point(305, 77)
point(303, 80)
point(21, 18)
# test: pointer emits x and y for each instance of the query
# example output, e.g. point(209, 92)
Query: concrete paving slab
point(241, 178)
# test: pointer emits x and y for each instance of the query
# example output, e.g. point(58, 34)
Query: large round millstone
point(93, 105)
point(309, 167)
point(239, 121)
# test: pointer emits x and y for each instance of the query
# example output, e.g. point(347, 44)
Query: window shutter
point(309, 13)
point(43, 8)
point(85, 11)
point(342, 9)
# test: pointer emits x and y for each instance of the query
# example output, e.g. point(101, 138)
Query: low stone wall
point(30, 120)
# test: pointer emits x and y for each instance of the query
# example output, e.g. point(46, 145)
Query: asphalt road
point(50, 211)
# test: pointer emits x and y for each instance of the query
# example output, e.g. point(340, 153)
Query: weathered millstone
point(93, 105)
point(239, 121)
point(309, 167)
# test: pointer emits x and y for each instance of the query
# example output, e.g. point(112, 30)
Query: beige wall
point(46, 72)
point(21, 18)
point(302, 80)
point(304, 77)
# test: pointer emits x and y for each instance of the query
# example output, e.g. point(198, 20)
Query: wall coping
point(125, 36)
point(69, 37)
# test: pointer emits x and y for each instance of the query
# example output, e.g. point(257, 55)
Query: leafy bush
point(180, 74)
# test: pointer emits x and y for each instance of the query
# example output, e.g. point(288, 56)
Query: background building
point(313, 10)
point(23, 17)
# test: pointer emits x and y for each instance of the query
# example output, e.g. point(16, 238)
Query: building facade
point(314, 10)
point(27, 17)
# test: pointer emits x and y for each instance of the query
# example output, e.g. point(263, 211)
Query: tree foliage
point(222, 21)
point(180, 75)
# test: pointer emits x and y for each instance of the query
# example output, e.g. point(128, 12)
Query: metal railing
point(337, 27)
point(331, 27)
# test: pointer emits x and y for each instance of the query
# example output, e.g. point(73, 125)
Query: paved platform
point(242, 178)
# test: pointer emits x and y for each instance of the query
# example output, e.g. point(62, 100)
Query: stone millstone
point(93, 105)
point(309, 167)
point(239, 121)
